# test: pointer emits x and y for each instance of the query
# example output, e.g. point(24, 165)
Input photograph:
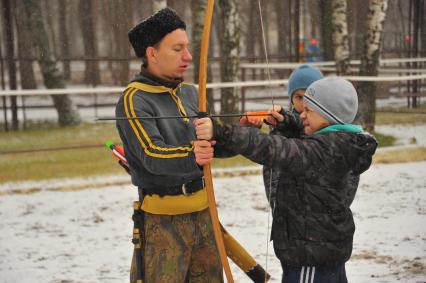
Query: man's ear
point(151, 54)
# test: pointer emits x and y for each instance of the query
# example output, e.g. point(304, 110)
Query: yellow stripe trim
point(163, 89)
point(149, 88)
point(186, 83)
point(150, 144)
point(179, 104)
point(132, 91)
point(174, 205)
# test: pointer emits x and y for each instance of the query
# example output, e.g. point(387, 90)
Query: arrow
point(259, 114)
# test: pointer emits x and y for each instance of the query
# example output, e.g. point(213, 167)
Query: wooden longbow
point(202, 109)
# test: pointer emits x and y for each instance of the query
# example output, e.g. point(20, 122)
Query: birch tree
point(340, 37)
point(370, 63)
point(66, 109)
point(230, 53)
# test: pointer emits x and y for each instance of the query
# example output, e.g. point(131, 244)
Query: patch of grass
point(400, 156)
point(401, 115)
point(85, 134)
point(90, 161)
point(384, 140)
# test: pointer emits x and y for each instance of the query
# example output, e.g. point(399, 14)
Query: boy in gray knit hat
point(313, 226)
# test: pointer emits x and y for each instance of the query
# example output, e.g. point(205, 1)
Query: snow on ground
point(79, 230)
point(84, 236)
point(404, 134)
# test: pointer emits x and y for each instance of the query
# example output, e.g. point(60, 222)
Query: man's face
point(312, 121)
point(171, 57)
point(297, 100)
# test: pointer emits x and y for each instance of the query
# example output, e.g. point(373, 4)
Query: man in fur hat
point(177, 240)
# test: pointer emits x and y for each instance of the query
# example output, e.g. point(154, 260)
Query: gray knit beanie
point(334, 98)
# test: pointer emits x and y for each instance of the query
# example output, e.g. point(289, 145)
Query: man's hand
point(204, 151)
point(276, 116)
point(204, 128)
point(251, 121)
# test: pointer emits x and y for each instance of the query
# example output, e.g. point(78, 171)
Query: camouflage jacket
point(291, 127)
point(312, 221)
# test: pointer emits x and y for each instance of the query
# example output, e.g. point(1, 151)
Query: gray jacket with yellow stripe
point(159, 151)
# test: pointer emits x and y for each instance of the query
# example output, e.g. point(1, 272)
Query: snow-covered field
point(79, 230)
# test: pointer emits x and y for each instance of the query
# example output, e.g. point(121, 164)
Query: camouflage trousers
point(179, 249)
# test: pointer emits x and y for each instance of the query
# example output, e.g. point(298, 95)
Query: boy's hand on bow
point(203, 151)
point(204, 128)
point(276, 116)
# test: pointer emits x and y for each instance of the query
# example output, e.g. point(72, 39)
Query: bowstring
point(265, 50)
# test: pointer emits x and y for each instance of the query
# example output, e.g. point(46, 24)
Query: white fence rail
point(106, 90)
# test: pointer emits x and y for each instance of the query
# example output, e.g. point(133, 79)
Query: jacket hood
point(362, 147)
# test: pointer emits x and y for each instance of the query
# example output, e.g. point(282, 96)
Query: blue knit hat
point(301, 78)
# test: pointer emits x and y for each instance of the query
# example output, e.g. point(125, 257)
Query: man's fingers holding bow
point(204, 128)
point(203, 151)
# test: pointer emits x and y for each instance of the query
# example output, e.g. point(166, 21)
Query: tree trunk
point(47, 10)
point(180, 6)
point(282, 28)
point(25, 49)
point(326, 29)
point(64, 38)
point(121, 26)
point(251, 34)
point(230, 55)
point(11, 66)
point(340, 37)
point(357, 16)
point(296, 35)
point(314, 16)
point(86, 12)
point(67, 111)
point(422, 16)
point(265, 17)
point(107, 28)
point(370, 63)
point(198, 8)
point(253, 38)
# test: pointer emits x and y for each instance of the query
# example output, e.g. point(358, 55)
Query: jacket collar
point(151, 79)
point(340, 128)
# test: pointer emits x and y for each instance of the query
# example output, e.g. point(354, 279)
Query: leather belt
point(184, 189)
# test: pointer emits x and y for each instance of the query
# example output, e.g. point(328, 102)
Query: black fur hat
point(151, 30)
